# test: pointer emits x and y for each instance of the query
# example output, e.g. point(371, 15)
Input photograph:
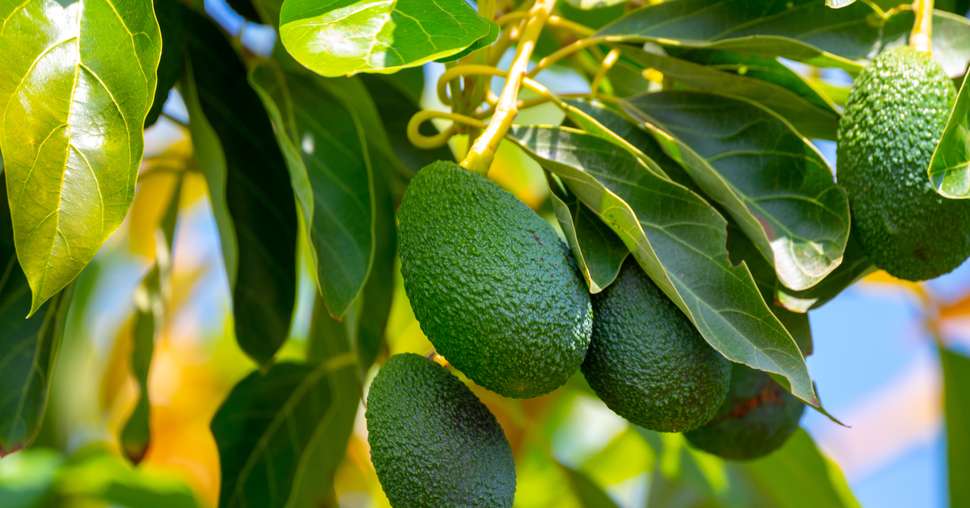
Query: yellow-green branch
point(921, 38)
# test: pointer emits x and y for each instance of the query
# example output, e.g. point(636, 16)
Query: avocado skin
point(895, 115)
point(492, 285)
point(647, 362)
point(433, 443)
point(757, 417)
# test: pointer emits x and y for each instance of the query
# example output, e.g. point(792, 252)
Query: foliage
point(678, 136)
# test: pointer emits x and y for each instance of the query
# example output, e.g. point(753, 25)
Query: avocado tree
point(352, 162)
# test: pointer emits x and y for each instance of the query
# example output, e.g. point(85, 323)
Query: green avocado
point(894, 117)
point(492, 285)
point(647, 362)
point(433, 443)
point(757, 417)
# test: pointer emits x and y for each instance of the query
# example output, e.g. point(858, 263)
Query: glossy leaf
point(250, 188)
point(855, 265)
point(172, 63)
point(951, 38)
point(339, 38)
point(599, 253)
point(679, 240)
point(279, 431)
point(325, 146)
point(808, 116)
point(956, 407)
point(772, 181)
point(28, 347)
point(949, 169)
point(76, 84)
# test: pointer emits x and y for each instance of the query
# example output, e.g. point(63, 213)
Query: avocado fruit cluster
point(756, 418)
point(647, 362)
point(433, 443)
point(895, 114)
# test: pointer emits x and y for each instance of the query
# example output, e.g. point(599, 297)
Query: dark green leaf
point(813, 118)
point(854, 266)
point(28, 347)
point(588, 493)
point(172, 63)
point(74, 104)
point(325, 146)
point(772, 181)
point(493, 32)
point(592, 13)
point(950, 167)
point(956, 407)
point(351, 36)
point(680, 241)
point(596, 248)
point(250, 189)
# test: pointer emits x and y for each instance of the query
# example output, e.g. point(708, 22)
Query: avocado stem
point(482, 151)
point(921, 38)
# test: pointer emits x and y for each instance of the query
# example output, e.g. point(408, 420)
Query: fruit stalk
point(921, 38)
point(479, 157)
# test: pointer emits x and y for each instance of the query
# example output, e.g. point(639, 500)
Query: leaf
point(596, 248)
point(812, 117)
point(250, 189)
point(679, 240)
point(588, 493)
point(951, 38)
point(594, 4)
point(956, 408)
point(855, 265)
point(803, 30)
point(76, 83)
point(838, 4)
point(172, 63)
point(772, 181)
point(28, 347)
point(339, 38)
point(325, 147)
point(493, 32)
point(276, 426)
point(949, 169)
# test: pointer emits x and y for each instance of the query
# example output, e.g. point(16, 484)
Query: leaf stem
point(479, 157)
point(921, 38)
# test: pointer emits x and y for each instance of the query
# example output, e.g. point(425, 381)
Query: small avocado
point(895, 115)
point(757, 417)
point(433, 443)
point(647, 362)
point(492, 285)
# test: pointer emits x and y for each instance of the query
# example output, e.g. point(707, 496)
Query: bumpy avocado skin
point(895, 114)
point(647, 362)
point(492, 285)
point(757, 417)
point(433, 443)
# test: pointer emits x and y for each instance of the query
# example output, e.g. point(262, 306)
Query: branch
point(921, 38)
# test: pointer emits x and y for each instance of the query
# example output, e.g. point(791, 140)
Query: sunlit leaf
point(772, 181)
point(950, 167)
point(956, 407)
point(250, 189)
point(679, 240)
point(172, 62)
point(589, 494)
point(76, 83)
point(325, 146)
point(855, 265)
point(338, 38)
point(594, 4)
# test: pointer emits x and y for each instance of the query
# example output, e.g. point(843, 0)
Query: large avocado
point(433, 443)
point(492, 285)
point(647, 362)
point(895, 114)
point(757, 417)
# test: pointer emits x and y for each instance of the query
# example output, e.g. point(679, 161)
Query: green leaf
point(250, 189)
point(588, 493)
point(812, 116)
point(951, 38)
point(343, 37)
point(598, 251)
point(679, 240)
point(280, 432)
point(594, 4)
point(76, 84)
point(493, 32)
point(772, 181)
point(803, 30)
point(325, 146)
point(949, 169)
point(172, 63)
point(956, 408)
point(28, 347)
point(855, 265)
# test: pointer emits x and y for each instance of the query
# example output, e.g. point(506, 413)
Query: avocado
point(492, 285)
point(433, 443)
point(646, 360)
point(895, 115)
point(757, 417)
